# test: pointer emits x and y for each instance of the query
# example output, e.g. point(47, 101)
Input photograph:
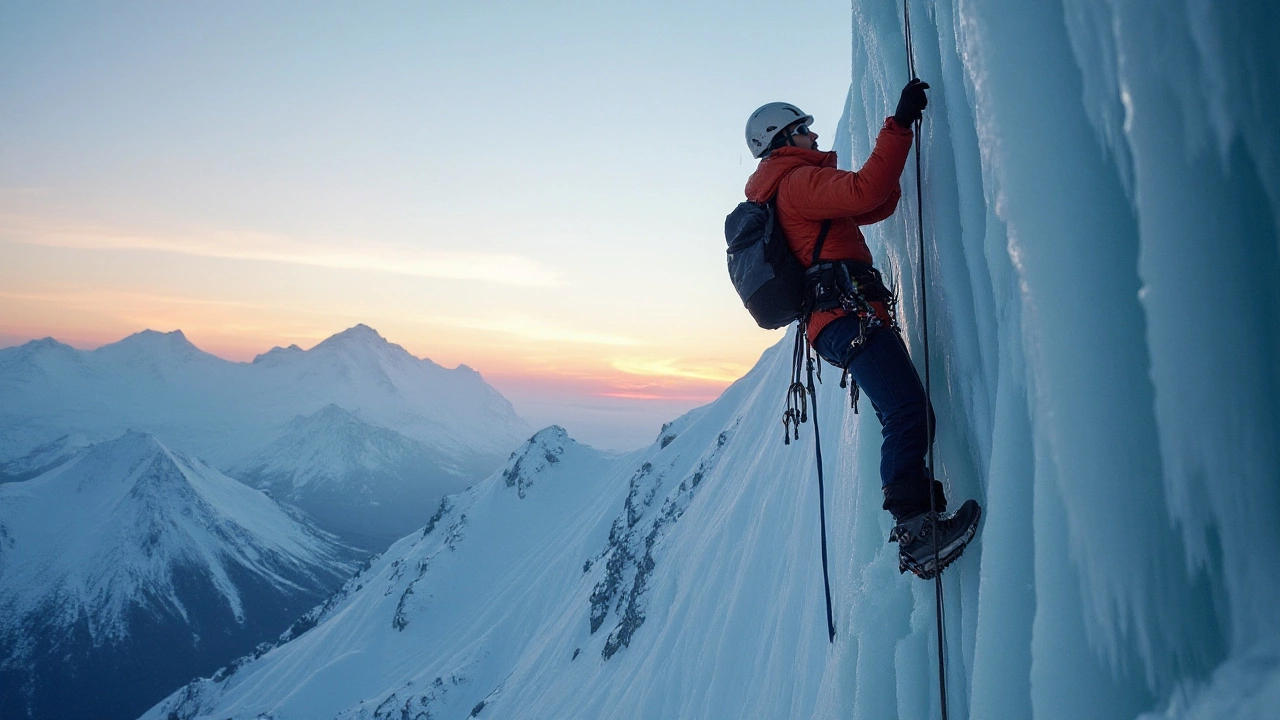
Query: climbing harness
point(940, 604)
point(852, 286)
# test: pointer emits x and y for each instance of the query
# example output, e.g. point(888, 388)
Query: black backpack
point(767, 276)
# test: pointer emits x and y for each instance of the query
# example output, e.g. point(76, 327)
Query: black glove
point(912, 103)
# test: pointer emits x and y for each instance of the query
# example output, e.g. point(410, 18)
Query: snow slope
point(368, 484)
point(442, 614)
point(131, 568)
point(223, 411)
point(1102, 211)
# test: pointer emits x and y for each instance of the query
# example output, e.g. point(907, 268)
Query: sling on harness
point(851, 286)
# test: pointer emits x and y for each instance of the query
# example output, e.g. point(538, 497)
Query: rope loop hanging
point(800, 397)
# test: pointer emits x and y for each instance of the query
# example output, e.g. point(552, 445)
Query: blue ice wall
point(1101, 210)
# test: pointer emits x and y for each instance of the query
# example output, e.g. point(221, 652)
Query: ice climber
point(853, 327)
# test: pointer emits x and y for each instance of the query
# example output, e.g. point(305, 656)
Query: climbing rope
point(822, 505)
point(797, 413)
point(924, 332)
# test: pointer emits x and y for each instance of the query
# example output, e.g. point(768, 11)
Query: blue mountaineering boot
point(915, 540)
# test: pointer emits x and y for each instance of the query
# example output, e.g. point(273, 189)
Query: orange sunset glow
point(457, 179)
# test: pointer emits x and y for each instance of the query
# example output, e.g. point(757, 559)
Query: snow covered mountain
point(454, 412)
point(223, 411)
point(43, 458)
point(385, 434)
point(131, 568)
point(442, 618)
point(1102, 216)
point(367, 484)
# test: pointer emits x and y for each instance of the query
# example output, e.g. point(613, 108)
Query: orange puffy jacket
point(811, 189)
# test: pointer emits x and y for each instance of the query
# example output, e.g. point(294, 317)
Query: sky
point(534, 189)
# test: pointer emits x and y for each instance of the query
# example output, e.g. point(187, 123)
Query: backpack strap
point(822, 237)
point(822, 234)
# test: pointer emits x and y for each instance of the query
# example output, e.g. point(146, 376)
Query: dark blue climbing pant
point(883, 369)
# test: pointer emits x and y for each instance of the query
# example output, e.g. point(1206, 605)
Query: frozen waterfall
point(1102, 198)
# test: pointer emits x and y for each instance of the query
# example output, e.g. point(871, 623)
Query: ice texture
point(1102, 197)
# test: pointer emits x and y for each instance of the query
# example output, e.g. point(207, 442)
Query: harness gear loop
point(853, 287)
point(797, 411)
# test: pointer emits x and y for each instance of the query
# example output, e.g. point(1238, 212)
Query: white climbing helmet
point(767, 120)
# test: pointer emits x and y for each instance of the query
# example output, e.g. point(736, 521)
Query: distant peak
point(43, 345)
point(333, 411)
point(132, 444)
point(175, 337)
point(135, 437)
point(551, 435)
point(360, 336)
point(276, 353)
point(541, 452)
point(47, 342)
point(154, 340)
point(143, 462)
point(330, 416)
point(359, 332)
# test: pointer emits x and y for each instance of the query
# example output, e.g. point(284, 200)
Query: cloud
point(527, 328)
point(672, 368)
point(673, 396)
point(241, 329)
point(99, 298)
point(501, 268)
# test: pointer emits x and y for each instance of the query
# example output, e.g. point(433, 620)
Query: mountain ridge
point(365, 482)
point(223, 410)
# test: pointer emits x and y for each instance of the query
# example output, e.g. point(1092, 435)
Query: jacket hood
point(763, 183)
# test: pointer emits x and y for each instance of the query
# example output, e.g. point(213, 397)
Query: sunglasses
point(801, 130)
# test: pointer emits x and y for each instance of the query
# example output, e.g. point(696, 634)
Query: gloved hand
point(912, 102)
